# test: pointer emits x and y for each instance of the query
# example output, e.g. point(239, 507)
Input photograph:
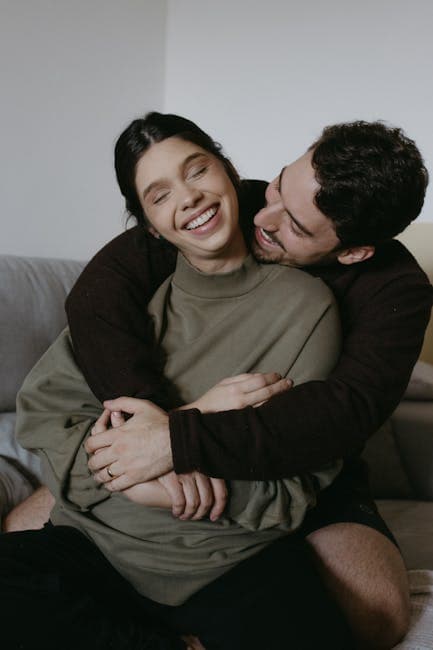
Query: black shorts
point(347, 500)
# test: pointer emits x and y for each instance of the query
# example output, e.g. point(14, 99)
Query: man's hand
point(248, 389)
point(137, 451)
point(190, 496)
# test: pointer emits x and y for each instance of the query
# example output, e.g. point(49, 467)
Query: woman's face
point(188, 198)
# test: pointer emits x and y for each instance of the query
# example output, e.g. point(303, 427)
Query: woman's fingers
point(206, 495)
point(252, 378)
point(220, 494)
point(261, 395)
point(175, 491)
point(255, 389)
point(192, 496)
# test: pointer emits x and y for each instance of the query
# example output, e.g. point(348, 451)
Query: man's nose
point(269, 217)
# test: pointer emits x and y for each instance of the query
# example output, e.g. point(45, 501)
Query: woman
point(171, 171)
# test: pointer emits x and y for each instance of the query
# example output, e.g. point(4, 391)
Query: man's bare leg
point(365, 573)
point(32, 513)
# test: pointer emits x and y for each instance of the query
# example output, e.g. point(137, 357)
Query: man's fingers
point(220, 493)
point(101, 423)
point(99, 440)
point(106, 474)
point(120, 483)
point(125, 404)
point(104, 458)
point(117, 419)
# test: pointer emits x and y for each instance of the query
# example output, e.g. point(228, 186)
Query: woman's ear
point(356, 254)
point(154, 232)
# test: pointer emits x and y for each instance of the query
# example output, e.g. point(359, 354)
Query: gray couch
point(32, 293)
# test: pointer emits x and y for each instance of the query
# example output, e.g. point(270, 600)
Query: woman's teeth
point(203, 218)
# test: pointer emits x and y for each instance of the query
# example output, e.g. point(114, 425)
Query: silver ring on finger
point(110, 473)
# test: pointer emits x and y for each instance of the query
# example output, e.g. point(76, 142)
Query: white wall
point(265, 77)
point(73, 73)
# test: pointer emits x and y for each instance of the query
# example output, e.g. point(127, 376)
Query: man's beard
point(269, 257)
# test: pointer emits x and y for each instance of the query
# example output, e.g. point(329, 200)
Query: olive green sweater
point(256, 319)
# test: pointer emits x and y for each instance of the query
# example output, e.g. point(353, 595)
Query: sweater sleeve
point(110, 328)
point(55, 412)
point(319, 421)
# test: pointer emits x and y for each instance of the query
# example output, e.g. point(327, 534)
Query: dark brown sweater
point(385, 306)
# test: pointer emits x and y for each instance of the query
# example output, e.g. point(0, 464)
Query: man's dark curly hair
point(372, 180)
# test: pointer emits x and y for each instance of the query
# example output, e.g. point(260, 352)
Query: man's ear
point(356, 254)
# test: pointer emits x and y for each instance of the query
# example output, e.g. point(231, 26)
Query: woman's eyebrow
point(185, 162)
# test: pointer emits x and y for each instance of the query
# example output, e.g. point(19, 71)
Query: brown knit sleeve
point(110, 328)
point(385, 313)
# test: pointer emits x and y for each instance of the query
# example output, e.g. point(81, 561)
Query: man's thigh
point(359, 560)
point(365, 572)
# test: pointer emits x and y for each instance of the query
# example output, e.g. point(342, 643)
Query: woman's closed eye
point(196, 172)
point(159, 197)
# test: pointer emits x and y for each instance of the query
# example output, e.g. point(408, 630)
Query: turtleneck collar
point(219, 285)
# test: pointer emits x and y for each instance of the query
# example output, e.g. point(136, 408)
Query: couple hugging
point(250, 396)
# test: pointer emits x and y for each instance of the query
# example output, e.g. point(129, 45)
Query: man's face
point(291, 229)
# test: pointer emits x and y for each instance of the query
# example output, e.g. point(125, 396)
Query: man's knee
point(366, 575)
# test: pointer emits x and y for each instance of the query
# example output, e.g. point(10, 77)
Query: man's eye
point(295, 229)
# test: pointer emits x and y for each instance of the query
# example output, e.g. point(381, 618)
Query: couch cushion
point(421, 382)
point(388, 478)
point(412, 524)
point(420, 635)
point(10, 449)
point(32, 294)
point(413, 433)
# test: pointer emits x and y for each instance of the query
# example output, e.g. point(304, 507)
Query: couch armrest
point(413, 434)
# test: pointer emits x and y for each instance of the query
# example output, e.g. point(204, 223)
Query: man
point(338, 205)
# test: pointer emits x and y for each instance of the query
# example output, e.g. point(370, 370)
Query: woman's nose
point(190, 196)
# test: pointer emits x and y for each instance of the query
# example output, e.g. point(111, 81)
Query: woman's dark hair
point(141, 134)
point(372, 180)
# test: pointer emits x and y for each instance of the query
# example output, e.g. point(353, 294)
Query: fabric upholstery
point(413, 432)
point(388, 477)
point(412, 524)
point(10, 449)
point(32, 293)
point(421, 382)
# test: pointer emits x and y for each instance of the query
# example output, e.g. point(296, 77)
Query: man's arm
point(385, 312)
point(303, 429)
point(110, 328)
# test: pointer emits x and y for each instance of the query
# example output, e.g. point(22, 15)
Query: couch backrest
point(419, 240)
point(32, 295)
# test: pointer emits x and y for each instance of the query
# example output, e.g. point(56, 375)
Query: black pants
point(58, 591)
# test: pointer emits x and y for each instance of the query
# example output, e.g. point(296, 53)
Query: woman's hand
point(241, 391)
point(190, 496)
